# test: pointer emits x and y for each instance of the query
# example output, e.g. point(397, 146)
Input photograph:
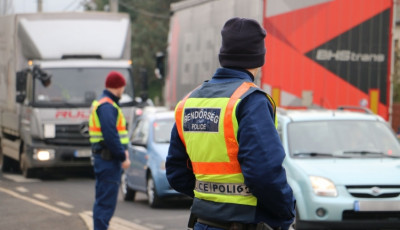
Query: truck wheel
point(27, 172)
point(127, 193)
point(153, 199)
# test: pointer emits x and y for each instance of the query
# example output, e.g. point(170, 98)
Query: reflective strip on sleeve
point(222, 188)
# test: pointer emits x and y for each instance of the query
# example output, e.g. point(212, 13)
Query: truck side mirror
point(43, 76)
point(160, 70)
point(21, 86)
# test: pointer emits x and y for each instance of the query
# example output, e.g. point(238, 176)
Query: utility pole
point(39, 5)
point(113, 5)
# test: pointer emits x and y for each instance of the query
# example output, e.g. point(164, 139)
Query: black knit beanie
point(242, 44)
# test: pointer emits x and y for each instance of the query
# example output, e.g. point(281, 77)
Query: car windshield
point(162, 130)
point(76, 87)
point(343, 139)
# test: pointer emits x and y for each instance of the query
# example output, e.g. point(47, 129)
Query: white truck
point(52, 66)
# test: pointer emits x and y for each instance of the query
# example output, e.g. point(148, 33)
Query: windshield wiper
point(366, 152)
point(318, 154)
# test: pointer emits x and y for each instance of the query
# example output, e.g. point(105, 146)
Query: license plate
point(380, 206)
point(83, 153)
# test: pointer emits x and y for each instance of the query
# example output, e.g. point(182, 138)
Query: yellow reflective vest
point(95, 127)
point(207, 125)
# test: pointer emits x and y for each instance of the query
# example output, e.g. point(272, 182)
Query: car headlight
point(323, 186)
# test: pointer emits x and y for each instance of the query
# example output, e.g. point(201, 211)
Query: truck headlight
point(323, 186)
point(43, 154)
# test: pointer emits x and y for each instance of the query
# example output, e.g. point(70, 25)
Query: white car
point(343, 167)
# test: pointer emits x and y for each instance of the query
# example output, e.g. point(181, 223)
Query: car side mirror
point(139, 143)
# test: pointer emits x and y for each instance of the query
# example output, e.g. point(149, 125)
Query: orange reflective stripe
point(178, 117)
point(106, 99)
point(101, 101)
point(94, 120)
point(232, 146)
point(120, 126)
point(95, 128)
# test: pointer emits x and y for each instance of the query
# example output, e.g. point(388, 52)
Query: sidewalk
point(18, 214)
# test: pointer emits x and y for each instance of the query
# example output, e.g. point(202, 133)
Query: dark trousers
point(108, 177)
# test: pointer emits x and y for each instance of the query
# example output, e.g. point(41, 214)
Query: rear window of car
point(162, 130)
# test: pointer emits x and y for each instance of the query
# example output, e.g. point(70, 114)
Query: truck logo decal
point(72, 114)
point(348, 55)
point(84, 129)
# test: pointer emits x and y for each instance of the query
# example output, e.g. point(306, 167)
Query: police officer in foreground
point(109, 139)
point(225, 150)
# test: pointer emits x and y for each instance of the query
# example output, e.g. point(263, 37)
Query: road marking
point(116, 223)
point(155, 226)
point(33, 201)
point(64, 205)
point(40, 196)
point(19, 178)
point(22, 189)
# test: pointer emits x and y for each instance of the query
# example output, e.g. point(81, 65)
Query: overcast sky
point(28, 6)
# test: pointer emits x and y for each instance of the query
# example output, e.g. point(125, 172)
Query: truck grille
point(374, 191)
point(69, 135)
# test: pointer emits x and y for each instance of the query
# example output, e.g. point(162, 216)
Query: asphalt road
point(65, 202)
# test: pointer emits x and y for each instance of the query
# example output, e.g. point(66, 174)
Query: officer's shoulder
point(106, 106)
point(256, 93)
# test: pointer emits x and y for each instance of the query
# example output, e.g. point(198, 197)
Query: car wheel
point(27, 172)
point(153, 199)
point(127, 193)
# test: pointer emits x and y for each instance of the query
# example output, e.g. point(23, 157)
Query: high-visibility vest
point(95, 127)
point(207, 125)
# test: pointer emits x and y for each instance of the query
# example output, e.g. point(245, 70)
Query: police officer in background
point(225, 150)
point(109, 139)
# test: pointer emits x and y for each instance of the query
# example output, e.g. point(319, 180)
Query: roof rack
point(349, 107)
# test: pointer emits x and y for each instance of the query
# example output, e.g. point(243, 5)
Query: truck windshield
point(346, 139)
point(77, 87)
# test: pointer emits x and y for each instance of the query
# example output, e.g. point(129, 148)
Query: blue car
point(148, 151)
point(343, 167)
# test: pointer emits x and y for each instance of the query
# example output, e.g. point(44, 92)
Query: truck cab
point(53, 66)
